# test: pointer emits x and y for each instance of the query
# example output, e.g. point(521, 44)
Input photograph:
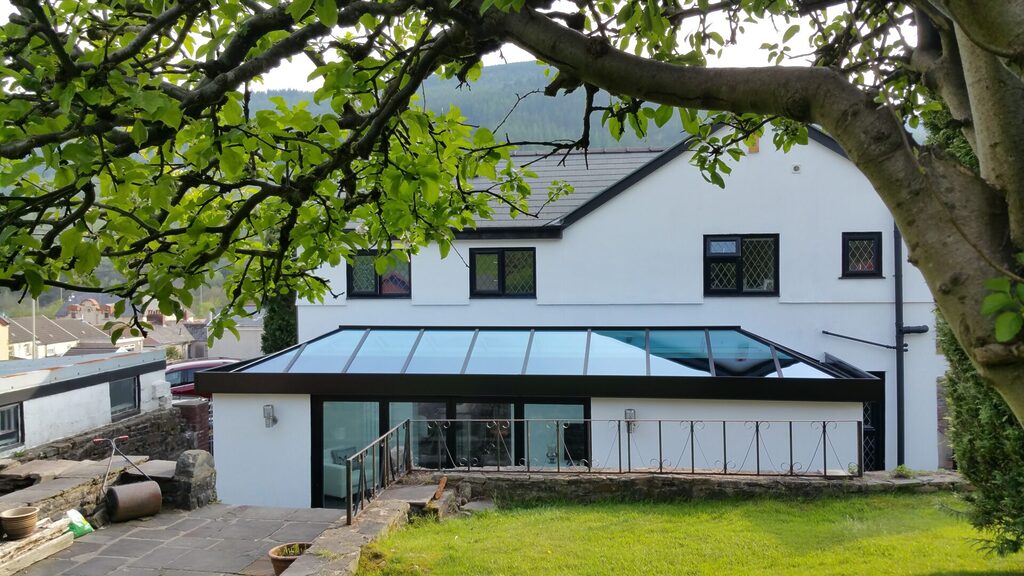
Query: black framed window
point(862, 255)
point(741, 265)
point(503, 272)
point(365, 282)
point(124, 397)
point(12, 433)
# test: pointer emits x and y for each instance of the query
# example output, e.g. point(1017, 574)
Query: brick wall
point(196, 414)
point(160, 434)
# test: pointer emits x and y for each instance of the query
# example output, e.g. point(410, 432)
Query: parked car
point(182, 376)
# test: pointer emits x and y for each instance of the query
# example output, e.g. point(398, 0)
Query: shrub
point(988, 444)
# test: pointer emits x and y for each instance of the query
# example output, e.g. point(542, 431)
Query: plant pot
point(19, 522)
point(281, 557)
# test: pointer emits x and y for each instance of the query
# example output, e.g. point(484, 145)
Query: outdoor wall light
point(268, 415)
point(631, 420)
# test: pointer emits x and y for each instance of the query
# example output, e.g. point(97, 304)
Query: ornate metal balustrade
point(821, 448)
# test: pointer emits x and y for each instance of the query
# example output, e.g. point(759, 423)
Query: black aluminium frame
point(738, 291)
point(500, 292)
point(876, 238)
point(350, 269)
point(316, 405)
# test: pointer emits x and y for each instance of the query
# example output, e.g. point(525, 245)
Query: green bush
point(989, 447)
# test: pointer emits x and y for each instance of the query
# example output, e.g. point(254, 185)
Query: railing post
point(590, 445)
point(558, 446)
point(375, 468)
point(757, 445)
point(725, 451)
point(618, 440)
point(629, 446)
point(824, 449)
point(499, 442)
point(693, 450)
point(527, 422)
point(348, 490)
point(661, 459)
point(439, 434)
point(408, 446)
point(860, 448)
point(790, 447)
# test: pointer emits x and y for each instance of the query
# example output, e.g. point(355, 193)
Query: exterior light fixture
point(268, 415)
point(630, 420)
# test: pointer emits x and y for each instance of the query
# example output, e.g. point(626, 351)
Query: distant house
point(168, 332)
point(249, 343)
point(88, 310)
point(50, 338)
point(92, 340)
point(47, 399)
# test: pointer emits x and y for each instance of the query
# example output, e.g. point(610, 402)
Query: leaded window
point(738, 265)
point(364, 281)
point(503, 272)
point(862, 254)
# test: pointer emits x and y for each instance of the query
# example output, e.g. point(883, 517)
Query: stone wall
point(196, 414)
point(521, 487)
point(161, 434)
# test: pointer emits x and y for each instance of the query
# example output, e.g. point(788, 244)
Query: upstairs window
point(502, 272)
point(124, 398)
point(365, 282)
point(741, 265)
point(862, 254)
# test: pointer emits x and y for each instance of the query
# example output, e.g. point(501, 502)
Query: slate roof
point(589, 174)
point(168, 335)
point(47, 331)
point(82, 330)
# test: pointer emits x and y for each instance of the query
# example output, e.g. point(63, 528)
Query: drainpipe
point(897, 257)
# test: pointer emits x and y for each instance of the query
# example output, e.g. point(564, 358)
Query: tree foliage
point(127, 134)
point(280, 324)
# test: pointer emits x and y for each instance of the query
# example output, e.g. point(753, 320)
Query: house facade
point(797, 250)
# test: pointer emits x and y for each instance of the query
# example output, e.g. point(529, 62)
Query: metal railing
point(808, 448)
point(389, 457)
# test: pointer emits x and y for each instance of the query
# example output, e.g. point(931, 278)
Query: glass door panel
point(429, 429)
point(482, 433)
point(555, 435)
point(348, 428)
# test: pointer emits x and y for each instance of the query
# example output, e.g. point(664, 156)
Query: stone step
point(156, 469)
point(95, 469)
point(417, 496)
point(39, 469)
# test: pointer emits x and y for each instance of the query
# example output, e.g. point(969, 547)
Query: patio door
point(348, 427)
point(556, 435)
point(482, 434)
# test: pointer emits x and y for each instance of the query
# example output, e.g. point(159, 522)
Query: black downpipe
point(897, 257)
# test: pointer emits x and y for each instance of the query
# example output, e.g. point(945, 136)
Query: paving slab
point(43, 469)
point(416, 496)
point(44, 490)
point(96, 469)
point(155, 469)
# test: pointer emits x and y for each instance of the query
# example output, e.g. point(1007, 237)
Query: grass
point(880, 534)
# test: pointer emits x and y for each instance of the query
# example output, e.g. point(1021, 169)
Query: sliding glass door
point(556, 435)
point(348, 427)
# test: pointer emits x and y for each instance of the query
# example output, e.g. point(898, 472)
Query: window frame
point(738, 291)
point(500, 292)
point(20, 441)
point(876, 237)
point(127, 413)
point(350, 279)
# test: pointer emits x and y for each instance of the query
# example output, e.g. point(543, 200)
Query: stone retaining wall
point(521, 487)
point(161, 434)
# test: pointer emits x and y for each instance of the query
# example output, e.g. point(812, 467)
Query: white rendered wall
point(247, 345)
point(638, 261)
point(641, 447)
point(263, 466)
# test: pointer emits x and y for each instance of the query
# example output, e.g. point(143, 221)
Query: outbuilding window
point(124, 398)
point(11, 430)
point(862, 254)
point(741, 265)
point(365, 282)
point(503, 272)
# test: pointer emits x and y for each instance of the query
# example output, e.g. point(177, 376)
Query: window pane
point(122, 396)
point(364, 277)
point(440, 352)
point(615, 352)
point(519, 272)
point(428, 427)
point(384, 352)
point(486, 271)
point(498, 352)
point(10, 425)
point(679, 353)
point(793, 367)
point(758, 264)
point(861, 255)
point(348, 428)
point(276, 364)
point(722, 276)
point(557, 352)
point(556, 432)
point(729, 247)
point(328, 354)
point(396, 280)
point(737, 354)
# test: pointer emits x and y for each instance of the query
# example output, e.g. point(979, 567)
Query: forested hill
point(489, 99)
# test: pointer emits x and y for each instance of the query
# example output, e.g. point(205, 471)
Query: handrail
point(384, 471)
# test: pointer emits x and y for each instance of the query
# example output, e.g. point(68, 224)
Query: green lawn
point(874, 535)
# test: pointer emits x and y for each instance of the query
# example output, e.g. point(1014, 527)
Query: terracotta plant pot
point(19, 522)
point(281, 557)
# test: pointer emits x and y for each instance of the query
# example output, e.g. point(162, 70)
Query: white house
point(621, 302)
point(52, 398)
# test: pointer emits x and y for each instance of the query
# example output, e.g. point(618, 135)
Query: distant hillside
point(488, 100)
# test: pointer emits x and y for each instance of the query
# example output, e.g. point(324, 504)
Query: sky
point(746, 52)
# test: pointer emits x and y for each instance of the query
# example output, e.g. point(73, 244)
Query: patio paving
point(215, 540)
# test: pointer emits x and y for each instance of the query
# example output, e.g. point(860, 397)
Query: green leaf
point(662, 115)
point(327, 12)
point(1008, 325)
point(298, 9)
point(998, 285)
point(996, 302)
point(232, 162)
point(790, 32)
